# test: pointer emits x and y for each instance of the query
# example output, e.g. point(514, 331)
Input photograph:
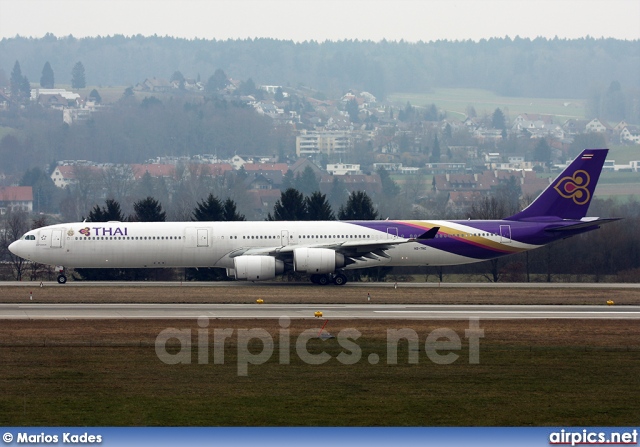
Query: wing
point(585, 223)
point(352, 250)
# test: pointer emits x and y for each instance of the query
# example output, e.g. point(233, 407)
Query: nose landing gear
point(62, 278)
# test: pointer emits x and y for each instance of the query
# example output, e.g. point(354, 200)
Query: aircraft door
point(505, 234)
point(392, 233)
point(56, 239)
point(284, 237)
point(203, 237)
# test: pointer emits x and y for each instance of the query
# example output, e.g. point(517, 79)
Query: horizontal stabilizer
point(584, 224)
point(430, 234)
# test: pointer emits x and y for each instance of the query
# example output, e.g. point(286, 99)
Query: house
point(263, 180)
point(630, 135)
point(595, 126)
point(302, 163)
point(263, 200)
point(154, 85)
point(257, 167)
point(16, 198)
point(369, 183)
point(58, 96)
point(343, 169)
point(67, 174)
point(154, 170)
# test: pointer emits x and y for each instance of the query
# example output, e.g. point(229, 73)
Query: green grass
point(512, 385)
point(456, 100)
point(624, 154)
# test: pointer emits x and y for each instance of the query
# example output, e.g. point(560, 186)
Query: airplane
point(258, 251)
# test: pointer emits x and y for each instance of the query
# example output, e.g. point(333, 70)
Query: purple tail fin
point(569, 195)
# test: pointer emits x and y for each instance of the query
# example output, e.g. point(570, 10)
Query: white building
point(343, 169)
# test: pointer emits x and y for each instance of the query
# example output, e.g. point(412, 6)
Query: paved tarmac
point(27, 311)
point(483, 285)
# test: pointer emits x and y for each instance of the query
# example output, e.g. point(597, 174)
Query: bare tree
point(118, 182)
point(15, 225)
point(489, 208)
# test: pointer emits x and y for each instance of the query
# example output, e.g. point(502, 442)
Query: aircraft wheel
point(323, 280)
point(62, 279)
point(340, 279)
point(314, 278)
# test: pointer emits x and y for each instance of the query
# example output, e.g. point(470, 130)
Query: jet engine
point(317, 260)
point(257, 268)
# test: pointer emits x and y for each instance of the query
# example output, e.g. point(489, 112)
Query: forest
point(553, 68)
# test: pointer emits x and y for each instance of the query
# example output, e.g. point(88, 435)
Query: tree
point(247, 87)
point(19, 85)
point(435, 152)
point(110, 212)
point(77, 76)
point(95, 96)
point(307, 182)
point(359, 207)
point(490, 208)
point(47, 79)
point(230, 214)
point(210, 209)
point(338, 193)
point(390, 188)
point(508, 193)
point(148, 210)
point(353, 110)
point(318, 207)
point(16, 80)
point(216, 82)
point(613, 106)
point(288, 180)
point(290, 206)
point(542, 151)
point(178, 78)
point(498, 120)
point(278, 96)
point(15, 225)
point(44, 190)
point(118, 181)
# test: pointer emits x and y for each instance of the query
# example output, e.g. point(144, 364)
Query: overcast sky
point(299, 20)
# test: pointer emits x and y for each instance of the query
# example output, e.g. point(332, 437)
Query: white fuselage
point(215, 244)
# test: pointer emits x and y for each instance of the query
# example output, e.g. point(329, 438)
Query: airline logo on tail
point(575, 187)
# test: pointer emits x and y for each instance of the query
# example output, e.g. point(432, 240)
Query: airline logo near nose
point(104, 231)
point(575, 187)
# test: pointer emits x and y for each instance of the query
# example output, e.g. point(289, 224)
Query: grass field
point(107, 372)
point(309, 294)
point(456, 100)
point(538, 373)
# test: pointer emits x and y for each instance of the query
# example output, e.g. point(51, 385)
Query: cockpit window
point(29, 237)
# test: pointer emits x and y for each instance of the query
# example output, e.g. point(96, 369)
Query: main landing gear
point(339, 279)
point(62, 278)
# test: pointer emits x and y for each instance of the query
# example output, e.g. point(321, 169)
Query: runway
point(407, 285)
point(32, 311)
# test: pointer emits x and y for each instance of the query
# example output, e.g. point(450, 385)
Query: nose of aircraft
point(15, 248)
